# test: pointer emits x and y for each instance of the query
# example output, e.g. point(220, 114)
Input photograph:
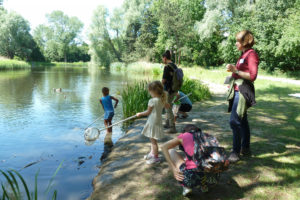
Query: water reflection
point(43, 127)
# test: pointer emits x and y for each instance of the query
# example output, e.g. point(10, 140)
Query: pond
point(39, 128)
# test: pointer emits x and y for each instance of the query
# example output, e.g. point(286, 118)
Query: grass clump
point(198, 90)
point(6, 64)
point(135, 98)
point(12, 190)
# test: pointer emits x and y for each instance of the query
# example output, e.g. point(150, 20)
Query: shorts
point(193, 178)
point(108, 115)
point(185, 108)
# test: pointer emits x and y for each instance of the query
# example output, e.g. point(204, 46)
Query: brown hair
point(158, 88)
point(246, 38)
point(105, 91)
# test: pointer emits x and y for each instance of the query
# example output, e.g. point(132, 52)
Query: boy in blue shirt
point(106, 102)
point(185, 104)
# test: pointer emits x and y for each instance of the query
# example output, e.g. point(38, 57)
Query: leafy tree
point(176, 24)
point(15, 39)
point(56, 38)
point(102, 48)
point(148, 35)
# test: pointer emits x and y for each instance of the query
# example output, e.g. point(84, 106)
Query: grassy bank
point(6, 64)
point(138, 68)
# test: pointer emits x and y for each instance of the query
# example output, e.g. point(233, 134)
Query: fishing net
point(91, 134)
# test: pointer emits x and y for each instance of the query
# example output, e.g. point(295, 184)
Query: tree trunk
point(115, 51)
point(179, 55)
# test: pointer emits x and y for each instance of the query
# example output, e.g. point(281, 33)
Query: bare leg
point(176, 158)
point(107, 122)
point(154, 147)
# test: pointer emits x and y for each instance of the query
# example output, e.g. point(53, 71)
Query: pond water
point(39, 128)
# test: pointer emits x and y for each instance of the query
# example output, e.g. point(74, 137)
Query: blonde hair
point(246, 38)
point(158, 88)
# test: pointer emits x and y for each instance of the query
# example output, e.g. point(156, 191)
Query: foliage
point(102, 49)
point(57, 37)
point(200, 32)
point(12, 189)
point(6, 64)
point(15, 39)
point(135, 98)
point(199, 91)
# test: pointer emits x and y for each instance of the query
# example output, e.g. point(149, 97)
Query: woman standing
point(241, 94)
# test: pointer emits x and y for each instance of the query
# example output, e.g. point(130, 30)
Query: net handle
point(132, 117)
point(182, 97)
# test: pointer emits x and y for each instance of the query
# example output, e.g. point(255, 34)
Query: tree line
point(58, 40)
point(200, 32)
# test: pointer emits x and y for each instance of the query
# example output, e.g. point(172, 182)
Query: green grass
point(199, 91)
point(144, 68)
point(70, 64)
point(6, 64)
point(135, 98)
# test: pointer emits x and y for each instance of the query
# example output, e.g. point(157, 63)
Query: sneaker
point(186, 191)
point(171, 130)
point(246, 151)
point(153, 161)
point(148, 156)
point(233, 157)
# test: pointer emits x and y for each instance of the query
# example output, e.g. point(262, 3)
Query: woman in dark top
point(167, 81)
point(243, 73)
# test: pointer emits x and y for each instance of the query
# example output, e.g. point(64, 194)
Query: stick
point(94, 121)
point(182, 97)
point(134, 116)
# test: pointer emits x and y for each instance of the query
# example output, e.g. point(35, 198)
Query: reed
point(6, 64)
point(135, 98)
point(199, 91)
point(12, 190)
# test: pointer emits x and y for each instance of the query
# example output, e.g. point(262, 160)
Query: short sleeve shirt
point(188, 145)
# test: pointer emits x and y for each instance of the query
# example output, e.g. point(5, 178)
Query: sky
point(35, 10)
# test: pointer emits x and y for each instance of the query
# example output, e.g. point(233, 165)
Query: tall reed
point(135, 98)
point(6, 64)
point(12, 190)
point(199, 91)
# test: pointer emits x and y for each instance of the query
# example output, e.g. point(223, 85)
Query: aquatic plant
point(198, 90)
point(6, 64)
point(12, 189)
point(135, 98)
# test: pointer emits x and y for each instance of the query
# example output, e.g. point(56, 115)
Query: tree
point(176, 24)
point(102, 48)
point(15, 39)
point(56, 38)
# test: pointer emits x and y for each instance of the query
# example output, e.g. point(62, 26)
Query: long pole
point(94, 121)
point(182, 97)
point(134, 116)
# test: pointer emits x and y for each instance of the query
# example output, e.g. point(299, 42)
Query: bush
point(199, 91)
point(135, 98)
point(7, 64)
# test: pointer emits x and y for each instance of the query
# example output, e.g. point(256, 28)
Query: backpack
point(177, 79)
point(208, 155)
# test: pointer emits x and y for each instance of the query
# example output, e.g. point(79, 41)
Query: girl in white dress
point(153, 128)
